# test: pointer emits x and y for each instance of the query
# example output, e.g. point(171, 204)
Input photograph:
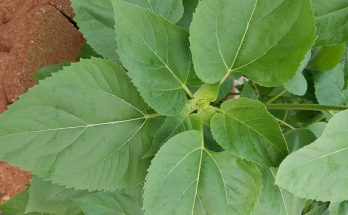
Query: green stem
point(188, 91)
point(276, 96)
point(309, 107)
point(286, 124)
point(153, 115)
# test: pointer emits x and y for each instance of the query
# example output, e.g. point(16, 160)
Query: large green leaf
point(186, 178)
point(45, 197)
point(156, 55)
point(47, 71)
point(96, 21)
point(298, 84)
point(331, 17)
point(266, 40)
point(247, 130)
point(329, 87)
point(127, 201)
point(319, 171)
point(85, 128)
point(327, 57)
point(274, 200)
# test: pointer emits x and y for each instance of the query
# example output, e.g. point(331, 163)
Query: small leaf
point(88, 117)
point(186, 178)
point(327, 57)
point(331, 17)
point(274, 200)
point(249, 131)
point(170, 127)
point(156, 55)
point(45, 197)
point(329, 87)
point(318, 171)
point(318, 128)
point(127, 201)
point(298, 84)
point(299, 138)
point(266, 40)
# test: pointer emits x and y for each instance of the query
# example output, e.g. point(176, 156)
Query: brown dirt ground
point(33, 34)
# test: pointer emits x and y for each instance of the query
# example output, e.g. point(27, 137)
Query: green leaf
point(189, 9)
point(327, 58)
point(248, 92)
point(318, 208)
point(47, 71)
point(122, 202)
point(266, 40)
point(249, 131)
point(331, 17)
point(89, 118)
point(87, 52)
point(96, 22)
point(170, 127)
point(172, 10)
point(329, 87)
point(318, 128)
point(45, 197)
point(17, 205)
point(186, 178)
point(338, 208)
point(274, 200)
point(318, 171)
point(150, 46)
point(298, 84)
point(299, 138)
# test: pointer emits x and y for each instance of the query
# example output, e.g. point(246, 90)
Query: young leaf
point(318, 171)
point(298, 84)
point(96, 21)
point(170, 127)
point(186, 178)
point(45, 197)
point(274, 200)
point(329, 87)
point(249, 131)
point(89, 118)
point(331, 17)
point(157, 56)
point(327, 58)
point(266, 40)
point(127, 201)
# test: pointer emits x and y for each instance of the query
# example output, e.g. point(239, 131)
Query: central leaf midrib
point(76, 127)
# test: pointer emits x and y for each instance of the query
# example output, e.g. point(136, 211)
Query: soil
point(33, 34)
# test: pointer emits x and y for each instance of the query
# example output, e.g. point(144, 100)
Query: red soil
point(33, 34)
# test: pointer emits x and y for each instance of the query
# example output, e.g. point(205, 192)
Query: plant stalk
point(309, 107)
